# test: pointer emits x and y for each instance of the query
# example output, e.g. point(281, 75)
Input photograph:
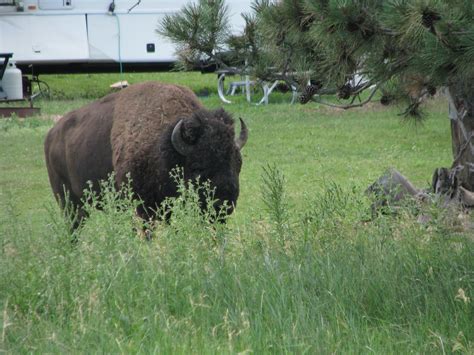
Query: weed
point(273, 196)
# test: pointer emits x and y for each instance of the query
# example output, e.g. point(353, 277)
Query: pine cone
point(345, 91)
point(282, 87)
point(431, 90)
point(352, 26)
point(389, 50)
point(367, 32)
point(428, 18)
point(309, 91)
point(385, 100)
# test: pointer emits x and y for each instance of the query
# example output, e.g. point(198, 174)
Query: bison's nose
point(223, 208)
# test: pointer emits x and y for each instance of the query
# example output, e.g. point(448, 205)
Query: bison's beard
point(215, 210)
point(220, 210)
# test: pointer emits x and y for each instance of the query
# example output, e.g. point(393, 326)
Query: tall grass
point(302, 266)
point(334, 283)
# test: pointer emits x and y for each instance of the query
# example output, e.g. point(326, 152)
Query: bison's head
point(211, 152)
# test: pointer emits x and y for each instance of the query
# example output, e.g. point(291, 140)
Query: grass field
point(300, 267)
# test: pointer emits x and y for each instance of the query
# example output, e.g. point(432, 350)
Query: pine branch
point(349, 106)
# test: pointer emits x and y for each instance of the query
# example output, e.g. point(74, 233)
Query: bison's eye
point(239, 162)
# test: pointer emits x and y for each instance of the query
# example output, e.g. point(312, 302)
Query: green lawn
point(301, 270)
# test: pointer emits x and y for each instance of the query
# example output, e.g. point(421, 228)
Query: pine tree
point(408, 49)
point(200, 31)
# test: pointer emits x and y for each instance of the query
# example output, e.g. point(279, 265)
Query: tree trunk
point(461, 114)
point(454, 185)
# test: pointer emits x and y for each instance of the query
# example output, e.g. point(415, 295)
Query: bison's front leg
point(143, 226)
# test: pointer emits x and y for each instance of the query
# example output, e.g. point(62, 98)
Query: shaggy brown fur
point(141, 114)
point(130, 132)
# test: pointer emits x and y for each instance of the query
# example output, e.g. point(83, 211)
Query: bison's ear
point(191, 129)
point(223, 116)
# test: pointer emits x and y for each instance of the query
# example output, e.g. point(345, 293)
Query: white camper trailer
point(59, 33)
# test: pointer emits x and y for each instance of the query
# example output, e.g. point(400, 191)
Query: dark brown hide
point(77, 149)
point(130, 132)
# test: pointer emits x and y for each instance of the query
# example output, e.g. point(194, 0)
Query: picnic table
point(247, 86)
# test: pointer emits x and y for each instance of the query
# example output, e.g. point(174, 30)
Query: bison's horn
point(177, 140)
point(244, 134)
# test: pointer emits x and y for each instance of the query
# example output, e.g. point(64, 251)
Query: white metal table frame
point(247, 84)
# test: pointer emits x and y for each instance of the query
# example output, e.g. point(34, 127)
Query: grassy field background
point(300, 267)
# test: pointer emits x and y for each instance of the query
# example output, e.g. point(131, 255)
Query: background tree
point(200, 31)
point(408, 49)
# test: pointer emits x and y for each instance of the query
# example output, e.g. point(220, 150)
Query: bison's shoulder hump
point(142, 112)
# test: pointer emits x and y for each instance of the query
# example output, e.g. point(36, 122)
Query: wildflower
point(462, 296)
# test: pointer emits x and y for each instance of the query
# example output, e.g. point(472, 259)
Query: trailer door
point(128, 37)
point(55, 4)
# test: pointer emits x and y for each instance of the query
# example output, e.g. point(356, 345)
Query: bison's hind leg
point(69, 204)
point(72, 210)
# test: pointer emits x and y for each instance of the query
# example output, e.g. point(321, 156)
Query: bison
point(143, 132)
